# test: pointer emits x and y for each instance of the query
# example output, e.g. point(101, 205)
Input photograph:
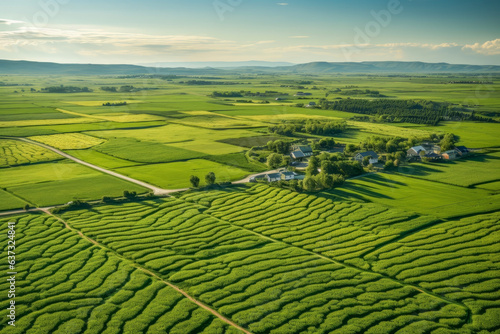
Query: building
point(302, 94)
point(415, 151)
point(462, 150)
point(433, 156)
point(450, 155)
point(371, 154)
point(273, 177)
point(301, 152)
point(311, 105)
point(287, 176)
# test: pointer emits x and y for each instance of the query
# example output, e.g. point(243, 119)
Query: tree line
point(316, 127)
point(402, 111)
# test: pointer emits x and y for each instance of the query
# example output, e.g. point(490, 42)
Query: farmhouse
point(462, 150)
point(273, 177)
point(287, 176)
point(301, 152)
point(311, 104)
point(415, 151)
point(433, 156)
point(450, 155)
point(282, 175)
point(371, 154)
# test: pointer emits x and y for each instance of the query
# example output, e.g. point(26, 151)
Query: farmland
point(411, 248)
point(255, 256)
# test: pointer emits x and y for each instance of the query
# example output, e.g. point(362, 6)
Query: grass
point(143, 151)
point(175, 175)
point(418, 195)
point(9, 201)
point(64, 181)
point(69, 141)
point(100, 159)
point(238, 160)
point(15, 153)
point(466, 172)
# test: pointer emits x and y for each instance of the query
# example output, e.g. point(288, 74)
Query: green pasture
point(61, 182)
point(175, 175)
point(418, 195)
point(9, 201)
point(100, 159)
point(146, 152)
point(465, 172)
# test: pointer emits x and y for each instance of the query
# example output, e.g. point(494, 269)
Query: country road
point(156, 190)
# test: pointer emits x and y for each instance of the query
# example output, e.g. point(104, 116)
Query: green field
point(275, 261)
point(465, 172)
point(9, 201)
point(61, 182)
point(406, 250)
point(76, 286)
point(175, 175)
point(418, 195)
point(14, 153)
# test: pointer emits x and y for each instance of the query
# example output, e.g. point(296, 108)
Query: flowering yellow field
point(69, 141)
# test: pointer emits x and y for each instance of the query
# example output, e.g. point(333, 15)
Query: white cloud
point(299, 36)
point(282, 3)
point(9, 22)
point(488, 48)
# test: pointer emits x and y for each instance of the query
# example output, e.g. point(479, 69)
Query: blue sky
point(126, 31)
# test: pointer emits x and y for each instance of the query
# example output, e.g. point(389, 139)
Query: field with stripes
point(255, 259)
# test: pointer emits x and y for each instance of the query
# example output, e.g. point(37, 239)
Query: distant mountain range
point(381, 67)
point(219, 64)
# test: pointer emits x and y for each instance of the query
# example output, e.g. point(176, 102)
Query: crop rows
point(65, 284)
point(339, 230)
point(261, 284)
point(13, 152)
point(458, 259)
point(69, 141)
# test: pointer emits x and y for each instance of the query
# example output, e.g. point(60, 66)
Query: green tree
point(314, 164)
point(326, 180)
point(274, 160)
point(210, 178)
point(327, 167)
point(195, 181)
point(309, 184)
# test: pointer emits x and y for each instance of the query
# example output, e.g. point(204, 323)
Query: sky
point(297, 31)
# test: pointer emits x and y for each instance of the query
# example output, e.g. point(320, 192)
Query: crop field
point(69, 141)
point(148, 152)
point(249, 256)
point(14, 153)
point(458, 259)
point(466, 172)
point(418, 195)
point(100, 159)
point(213, 120)
point(66, 284)
point(9, 201)
point(64, 181)
point(184, 137)
point(475, 135)
point(262, 284)
point(175, 175)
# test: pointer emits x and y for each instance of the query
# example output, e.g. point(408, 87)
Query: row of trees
point(406, 111)
point(66, 89)
point(316, 127)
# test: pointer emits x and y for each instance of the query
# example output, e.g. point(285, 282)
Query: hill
point(394, 67)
